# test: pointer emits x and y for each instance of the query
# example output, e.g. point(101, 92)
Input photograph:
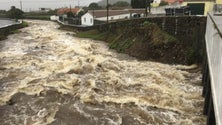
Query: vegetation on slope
point(146, 42)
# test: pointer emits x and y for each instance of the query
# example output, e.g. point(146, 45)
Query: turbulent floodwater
point(48, 76)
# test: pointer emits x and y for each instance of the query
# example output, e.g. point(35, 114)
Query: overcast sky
point(36, 4)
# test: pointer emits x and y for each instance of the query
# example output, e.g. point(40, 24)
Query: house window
point(84, 19)
point(91, 20)
point(111, 18)
point(196, 8)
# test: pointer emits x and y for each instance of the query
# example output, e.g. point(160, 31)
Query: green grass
point(38, 17)
point(116, 41)
point(122, 39)
point(158, 44)
point(93, 34)
point(3, 15)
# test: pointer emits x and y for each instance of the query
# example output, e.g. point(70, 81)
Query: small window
point(84, 19)
point(111, 18)
point(91, 20)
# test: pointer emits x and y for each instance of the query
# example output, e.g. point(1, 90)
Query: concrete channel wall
point(7, 29)
point(7, 23)
point(212, 73)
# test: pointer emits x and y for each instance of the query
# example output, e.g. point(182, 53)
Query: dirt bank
point(147, 42)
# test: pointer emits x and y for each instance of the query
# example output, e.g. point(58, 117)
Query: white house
point(156, 3)
point(87, 19)
point(101, 15)
point(54, 18)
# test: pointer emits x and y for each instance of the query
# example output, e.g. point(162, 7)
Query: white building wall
point(123, 16)
point(87, 19)
point(156, 1)
point(54, 18)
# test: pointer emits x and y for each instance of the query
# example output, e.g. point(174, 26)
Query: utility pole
point(20, 4)
point(149, 6)
point(21, 8)
point(146, 8)
point(78, 4)
point(148, 2)
point(107, 7)
point(93, 16)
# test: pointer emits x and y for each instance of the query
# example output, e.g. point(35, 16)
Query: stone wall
point(189, 30)
point(4, 31)
point(183, 28)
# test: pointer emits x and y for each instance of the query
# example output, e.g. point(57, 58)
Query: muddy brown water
point(47, 76)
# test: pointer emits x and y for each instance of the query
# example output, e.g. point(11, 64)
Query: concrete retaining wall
point(212, 72)
point(11, 23)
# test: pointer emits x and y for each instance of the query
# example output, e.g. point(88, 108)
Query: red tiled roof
point(170, 1)
point(66, 10)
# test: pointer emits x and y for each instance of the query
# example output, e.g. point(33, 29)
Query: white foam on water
point(91, 72)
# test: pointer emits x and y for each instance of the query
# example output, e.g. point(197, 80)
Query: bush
point(14, 13)
point(38, 17)
point(163, 3)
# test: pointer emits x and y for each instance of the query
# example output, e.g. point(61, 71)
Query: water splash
point(49, 77)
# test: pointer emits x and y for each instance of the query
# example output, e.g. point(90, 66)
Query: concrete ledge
point(16, 23)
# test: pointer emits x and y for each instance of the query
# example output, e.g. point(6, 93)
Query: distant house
point(91, 16)
point(196, 7)
point(200, 7)
point(170, 1)
point(44, 10)
point(155, 3)
point(54, 18)
point(64, 11)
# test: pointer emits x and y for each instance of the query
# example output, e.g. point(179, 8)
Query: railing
point(212, 77)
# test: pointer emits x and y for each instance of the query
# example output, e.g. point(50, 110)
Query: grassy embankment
point(37, 16)
point(146, 42)
point(4, 32)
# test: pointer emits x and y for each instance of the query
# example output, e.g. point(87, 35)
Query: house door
point(196, 8)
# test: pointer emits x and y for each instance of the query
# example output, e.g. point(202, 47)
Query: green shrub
point(163, 3)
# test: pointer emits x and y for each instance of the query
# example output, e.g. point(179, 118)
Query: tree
point(121, 4)
point(163, 3)
point(52, 12)
point(80, 14)
point(94, 6)
point(70, 14)
point(2, 11)
point(138, 3)
point(14, 13)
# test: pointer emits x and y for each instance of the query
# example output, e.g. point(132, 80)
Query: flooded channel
point(49, 77)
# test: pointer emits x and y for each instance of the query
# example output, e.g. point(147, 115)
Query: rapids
point(47, 76)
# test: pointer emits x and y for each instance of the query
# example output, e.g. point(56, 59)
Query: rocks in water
point(3, 68)
point(85, 69)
